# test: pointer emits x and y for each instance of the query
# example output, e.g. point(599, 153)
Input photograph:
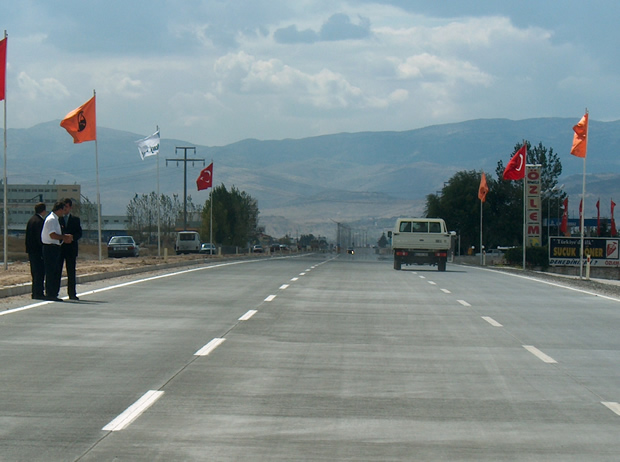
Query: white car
point(208, 248)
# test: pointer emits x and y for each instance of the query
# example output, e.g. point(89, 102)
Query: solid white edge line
point(492, 321)
point(209, 347)
point(270, 298)
point(612, 406)
point(248, 315)
point(134, 411)
point(539, 354)
point(463, 302)
point(554, 284)
point(24, 308)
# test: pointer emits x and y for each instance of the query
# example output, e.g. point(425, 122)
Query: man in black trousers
point(52, 237)
point(70, 224)
point(34, 249)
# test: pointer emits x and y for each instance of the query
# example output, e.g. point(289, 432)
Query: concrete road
point(313, 358)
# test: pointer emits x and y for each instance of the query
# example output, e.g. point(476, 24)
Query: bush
point(534, 257)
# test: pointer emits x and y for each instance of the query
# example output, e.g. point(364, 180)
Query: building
point(21, 199)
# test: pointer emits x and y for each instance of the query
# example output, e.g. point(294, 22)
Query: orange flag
point(483, 189)
point(81, 123)
point(580, 140)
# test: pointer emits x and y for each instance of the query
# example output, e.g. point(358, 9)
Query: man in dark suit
point(34, 249)
point(70, 224)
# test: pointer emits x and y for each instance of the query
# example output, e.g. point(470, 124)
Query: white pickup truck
point(421, 241)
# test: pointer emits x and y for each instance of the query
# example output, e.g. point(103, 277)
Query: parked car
point(257, 249)
point(208, 248)
point(123, 246)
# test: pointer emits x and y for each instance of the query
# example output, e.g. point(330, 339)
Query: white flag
point(149, 146)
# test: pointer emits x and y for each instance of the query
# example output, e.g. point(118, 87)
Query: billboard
point(603, 251)
point(532, 206)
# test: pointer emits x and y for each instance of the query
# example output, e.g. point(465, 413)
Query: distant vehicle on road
point(123, 246)
point(421, 241)
point(257, 249)
point(350, 251)
point(208, 248)
point(187, 242)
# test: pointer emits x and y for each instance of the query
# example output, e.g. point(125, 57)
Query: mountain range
point(306, 185)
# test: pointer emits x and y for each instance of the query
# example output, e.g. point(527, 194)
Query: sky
point(213, 72)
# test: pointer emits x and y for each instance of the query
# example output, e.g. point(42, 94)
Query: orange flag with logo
point(81, 123)
point(580, 140)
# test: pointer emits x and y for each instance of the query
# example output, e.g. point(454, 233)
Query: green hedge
point(534, 257)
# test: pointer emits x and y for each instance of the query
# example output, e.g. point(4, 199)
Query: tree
point(235, 217)
point(382, 242)
point(512, 191)
point(459, 205)
point(142, 216)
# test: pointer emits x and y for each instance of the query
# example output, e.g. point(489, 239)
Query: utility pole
point(185, 160)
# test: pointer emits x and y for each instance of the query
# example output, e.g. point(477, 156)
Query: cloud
point(292, 35)
point(429, 67)
point(338, 27)
point(44, 88)
point(324, 89)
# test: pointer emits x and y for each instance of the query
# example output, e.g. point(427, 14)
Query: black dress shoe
point(74, 297)
point(53, 299)
point(39, 297)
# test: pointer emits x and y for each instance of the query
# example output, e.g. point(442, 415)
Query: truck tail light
point(441, 254)
point(402, 253)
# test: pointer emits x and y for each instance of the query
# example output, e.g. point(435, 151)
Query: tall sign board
point(533, 210)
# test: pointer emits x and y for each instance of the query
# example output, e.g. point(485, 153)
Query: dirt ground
point(18, 269)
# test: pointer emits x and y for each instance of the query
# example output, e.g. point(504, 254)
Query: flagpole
point(481, 252)
point(5, 215)
point(524, 215)
point(583, 202)
point(158, 205)
point(98, 193)
point(211, 217)
point(524, 205)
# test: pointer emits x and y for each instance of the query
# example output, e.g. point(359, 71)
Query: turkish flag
point(614, 231)
point(515, 170)
point(564, 225)
point(2, 68)
point(205, 179)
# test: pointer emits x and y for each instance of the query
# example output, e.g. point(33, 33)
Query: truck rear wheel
point(397, 265)
point(441, 265)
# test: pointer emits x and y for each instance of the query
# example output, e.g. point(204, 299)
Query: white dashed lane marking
point(492, 321)
point(134, 411)
point(209, 347)
point(248, 315)
point(539, 354)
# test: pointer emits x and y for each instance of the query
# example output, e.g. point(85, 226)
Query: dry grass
point(18, 269)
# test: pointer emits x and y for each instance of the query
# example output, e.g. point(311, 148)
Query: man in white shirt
point(52, 238)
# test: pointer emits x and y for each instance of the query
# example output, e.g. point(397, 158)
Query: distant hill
point(305, 185)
